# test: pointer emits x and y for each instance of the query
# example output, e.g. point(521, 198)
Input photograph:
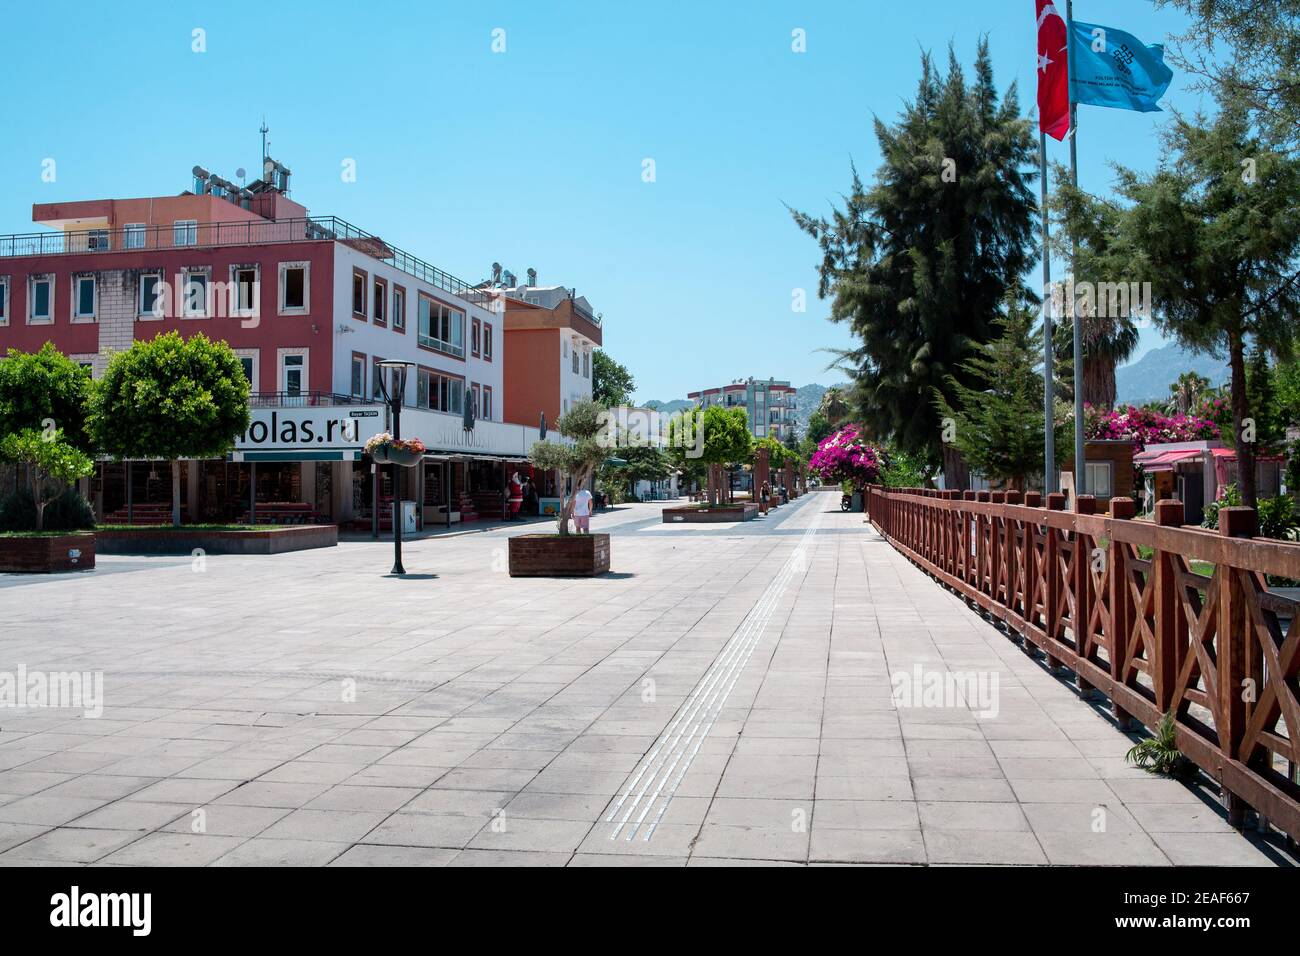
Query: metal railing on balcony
point(189, 235)
point(311, 399)
point(586, 314)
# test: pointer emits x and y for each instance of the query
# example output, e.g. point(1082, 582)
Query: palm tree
point(1107, 344)
point(834, 406)
point(1187, 393)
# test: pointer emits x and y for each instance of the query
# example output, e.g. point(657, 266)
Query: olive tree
point(583, 424)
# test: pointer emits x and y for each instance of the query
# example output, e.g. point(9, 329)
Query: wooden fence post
point(1010, 568)
point(1236, 662)
point(1082, 585)
point(1051, 572)
point(1119, 626)
point(1170, 637)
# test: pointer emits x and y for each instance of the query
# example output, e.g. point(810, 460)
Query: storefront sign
point(309, 429)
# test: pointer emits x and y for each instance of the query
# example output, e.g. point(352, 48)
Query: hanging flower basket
point(385, 449)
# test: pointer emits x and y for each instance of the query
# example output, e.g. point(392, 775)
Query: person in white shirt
point(582, 511)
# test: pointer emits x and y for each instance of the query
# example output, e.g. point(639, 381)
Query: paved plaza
point(724, 696)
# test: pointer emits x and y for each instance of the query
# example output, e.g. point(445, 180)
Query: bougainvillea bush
point(1146, 426)
point(846, 457)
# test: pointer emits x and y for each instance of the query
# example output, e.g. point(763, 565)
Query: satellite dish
point(240, 172)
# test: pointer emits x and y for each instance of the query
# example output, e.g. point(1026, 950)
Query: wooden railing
point(1117, 601)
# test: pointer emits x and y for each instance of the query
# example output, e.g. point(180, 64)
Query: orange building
point(550, 333)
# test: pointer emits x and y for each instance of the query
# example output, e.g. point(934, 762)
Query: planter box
point(547, 556)
point(387, 454)
point(43, 554)
point(740, 512)
point(298, 537)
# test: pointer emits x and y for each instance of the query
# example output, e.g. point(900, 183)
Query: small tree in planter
point(583, 423)
point(36, 387)
point(52, 465)
point(170, 397)
point(727, 441)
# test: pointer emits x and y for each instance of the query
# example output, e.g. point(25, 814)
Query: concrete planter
point(551, 556)
point(741, 511)
point(44, 554)
point(297, 537)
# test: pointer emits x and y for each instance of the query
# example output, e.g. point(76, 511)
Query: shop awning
point(1164, 460)
point(290, 454)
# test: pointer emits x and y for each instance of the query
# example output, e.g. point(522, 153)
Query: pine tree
point(997, 421)
point(1261, 400)
point(919, 263)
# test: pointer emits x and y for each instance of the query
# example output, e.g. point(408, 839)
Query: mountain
point(668, 408)
point(1148, 379)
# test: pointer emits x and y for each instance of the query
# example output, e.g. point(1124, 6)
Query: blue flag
point(1113, 68)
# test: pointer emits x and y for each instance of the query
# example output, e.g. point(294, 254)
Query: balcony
point(206, 235)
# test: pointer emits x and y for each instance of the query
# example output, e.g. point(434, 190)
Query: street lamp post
point(398, 372)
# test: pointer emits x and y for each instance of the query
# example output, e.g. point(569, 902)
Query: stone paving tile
point(74, 844)
point(506, 731)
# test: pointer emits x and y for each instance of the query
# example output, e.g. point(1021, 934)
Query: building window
point(575, 360)
point(150, 304)
point(185, 232)
point(133, 234)
point(4, 300)
point(441, 327)
point(475, 400)
point(40, 299)
point(376, 380)
point(487, 341)
point(248, 362)
point(586, 364)
point(487, 402)
point(83, 297)
point(440, 393)
point(97, 240)
point(293, 372)
point(1099, 479)
point(564, 343)
point(295, 287)
point(195, 286)
point(380, 299)
point(399, 308)
point(475, 337)
point(358, 293)
point(358, 375)
point(244, 296)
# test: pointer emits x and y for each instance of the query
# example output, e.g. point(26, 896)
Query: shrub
point(68, 512)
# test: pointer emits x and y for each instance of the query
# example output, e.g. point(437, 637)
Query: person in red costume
point(516, 497)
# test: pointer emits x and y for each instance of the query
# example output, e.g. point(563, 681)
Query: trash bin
point(408, 518)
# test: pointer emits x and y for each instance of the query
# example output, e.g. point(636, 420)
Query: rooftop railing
point(198, 235)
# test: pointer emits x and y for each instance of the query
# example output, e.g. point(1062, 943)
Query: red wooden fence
point(1148, 632)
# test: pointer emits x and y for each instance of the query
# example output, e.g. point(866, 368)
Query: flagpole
point(1080, 463)
point(1049, 353)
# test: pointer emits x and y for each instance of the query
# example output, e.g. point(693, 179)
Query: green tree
point(1261, 400)
point(727, 441)
point(1246, 50)
point(834, 406)
point(611, 383)
point(1103, 293)
point(38, 387)
point(998, 421)
point(819, 429)
point(52, 464)
point(584, 424)
point(170, 397)
point(1216, 231)
point(777, 453)
point(1186, 393)
point(919, 264)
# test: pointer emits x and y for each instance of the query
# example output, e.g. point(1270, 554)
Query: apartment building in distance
point(550, 335)
point(768, 402)
point(311, 305)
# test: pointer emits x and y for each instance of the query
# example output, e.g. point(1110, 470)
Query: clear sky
point(534, 156)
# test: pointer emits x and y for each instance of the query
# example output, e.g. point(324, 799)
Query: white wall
point(383, 342)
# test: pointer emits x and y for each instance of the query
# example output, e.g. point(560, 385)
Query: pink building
point(310, 304)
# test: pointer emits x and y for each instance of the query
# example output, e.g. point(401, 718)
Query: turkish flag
point(1053, 72)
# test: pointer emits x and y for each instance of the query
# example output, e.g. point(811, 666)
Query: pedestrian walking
point(582, 511)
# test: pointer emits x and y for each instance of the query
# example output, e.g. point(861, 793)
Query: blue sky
point(534, 156)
